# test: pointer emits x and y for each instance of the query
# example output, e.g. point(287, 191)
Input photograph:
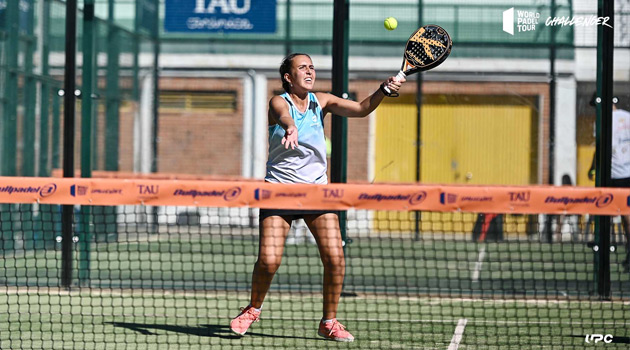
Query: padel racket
point(426, 49)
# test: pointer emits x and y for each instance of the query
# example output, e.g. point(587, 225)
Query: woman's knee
point(335, 262)
point(268, 264)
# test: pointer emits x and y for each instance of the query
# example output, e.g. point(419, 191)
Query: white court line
point(459, 333)
point(477, 270)
point(451, 320)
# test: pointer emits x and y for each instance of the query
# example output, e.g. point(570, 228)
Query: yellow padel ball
point(390, 23)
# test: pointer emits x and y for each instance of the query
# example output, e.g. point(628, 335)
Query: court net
point(168, 263)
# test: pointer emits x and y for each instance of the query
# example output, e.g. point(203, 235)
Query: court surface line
point(477, 270)
point(458, 334)
point(437, 320)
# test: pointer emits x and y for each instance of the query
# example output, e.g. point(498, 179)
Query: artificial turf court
point(179, 288)
point(109, 319)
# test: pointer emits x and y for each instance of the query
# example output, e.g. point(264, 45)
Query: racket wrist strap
point(384, 90)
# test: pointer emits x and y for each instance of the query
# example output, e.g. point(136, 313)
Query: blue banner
point(234, 16)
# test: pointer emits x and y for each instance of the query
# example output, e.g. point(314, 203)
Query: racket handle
point(399, 77)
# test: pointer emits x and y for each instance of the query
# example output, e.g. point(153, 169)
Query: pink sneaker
point(334, 331)
point(240, 324)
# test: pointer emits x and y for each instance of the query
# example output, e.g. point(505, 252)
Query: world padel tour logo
point(527, 21)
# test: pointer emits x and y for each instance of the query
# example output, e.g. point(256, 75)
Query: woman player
point(297, 154)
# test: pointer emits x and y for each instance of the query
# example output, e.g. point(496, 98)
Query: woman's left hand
point(290, 138)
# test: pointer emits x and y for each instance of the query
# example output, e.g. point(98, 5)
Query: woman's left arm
point(353, 109)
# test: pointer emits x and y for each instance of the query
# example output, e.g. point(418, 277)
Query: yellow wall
point(471, 140)
point(584, 160)
point(395, 144)
point(585, 137)
point(476, 144)
point(395, 157)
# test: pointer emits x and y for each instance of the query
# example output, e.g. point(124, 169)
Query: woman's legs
point(273, 232)
point(325, 229)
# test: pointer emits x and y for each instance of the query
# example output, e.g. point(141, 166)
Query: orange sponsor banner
point(404, 197)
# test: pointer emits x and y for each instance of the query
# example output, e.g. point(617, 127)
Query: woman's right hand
point(290, 138)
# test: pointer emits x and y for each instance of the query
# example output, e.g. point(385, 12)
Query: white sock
point(257, 310)
point(326, 321)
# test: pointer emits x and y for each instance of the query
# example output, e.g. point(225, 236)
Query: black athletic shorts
point(625, 182)
point(294, 214)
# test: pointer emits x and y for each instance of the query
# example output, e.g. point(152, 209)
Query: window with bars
point(218, 101)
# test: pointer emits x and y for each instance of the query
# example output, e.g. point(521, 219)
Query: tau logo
point(333, 193)
point(148, 189)
point(595, 338)
point(223, 6)
point(519, 196)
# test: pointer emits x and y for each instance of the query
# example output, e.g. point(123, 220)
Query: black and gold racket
point(426, 49)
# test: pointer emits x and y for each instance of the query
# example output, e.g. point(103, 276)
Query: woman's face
point(302, 75)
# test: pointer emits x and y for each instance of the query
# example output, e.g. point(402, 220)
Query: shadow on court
point(208, 330)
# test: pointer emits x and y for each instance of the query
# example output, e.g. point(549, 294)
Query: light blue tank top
point(306, 163)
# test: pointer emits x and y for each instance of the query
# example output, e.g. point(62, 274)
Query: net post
point(56, 127)
point(30, 99)
point(67, 213)
point(112, 99)
point(85, 237)
point(287, 28)
point(418, 214)
point(603, 135)
point(339, 127)
point(108, 226)
point(45, 93)
point(155, 36)
point(552, 103)
point(10, 98)
point(9, 111)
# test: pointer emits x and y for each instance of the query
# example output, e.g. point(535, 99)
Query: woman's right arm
point(279, 114)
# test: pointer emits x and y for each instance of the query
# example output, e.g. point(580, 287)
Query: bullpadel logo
point(527, 21)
